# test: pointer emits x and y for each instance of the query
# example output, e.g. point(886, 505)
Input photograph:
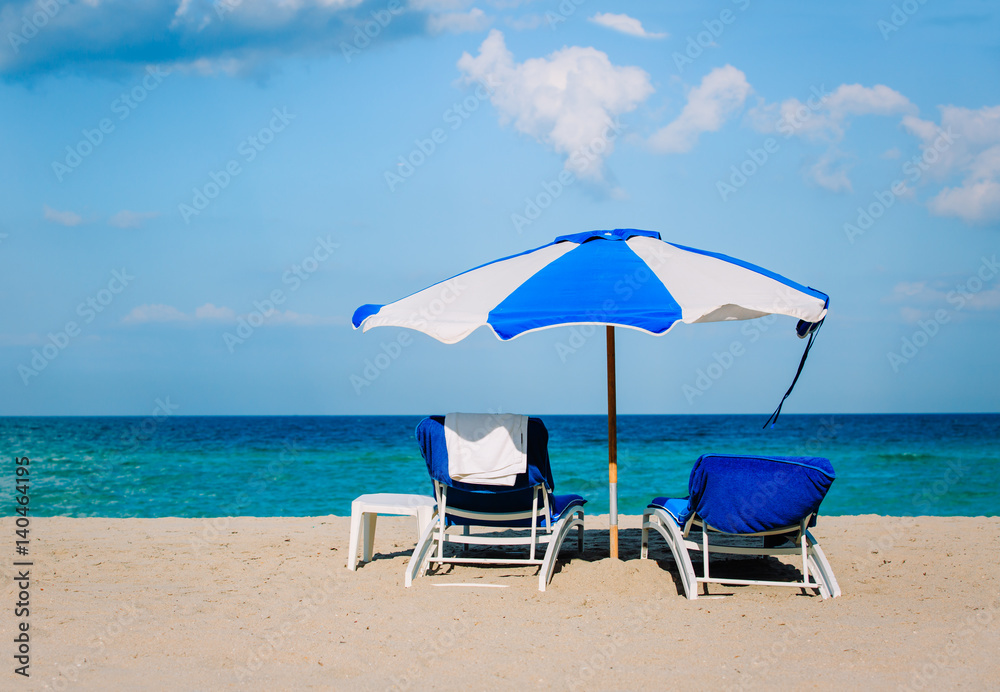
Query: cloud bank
point(825, 117)
point(972, 154)
point(569, 100)
point(91, 36)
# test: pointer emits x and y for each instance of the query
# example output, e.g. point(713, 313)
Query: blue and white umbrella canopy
point(621, 278)
point(625, 278)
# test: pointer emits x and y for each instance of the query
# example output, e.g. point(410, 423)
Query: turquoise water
point(945, 464)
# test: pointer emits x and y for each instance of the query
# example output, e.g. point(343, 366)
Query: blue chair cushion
point(679, 509)
point(559, 506)
point(564, 504)
point(750, 494)
point(430, 437)
point(492, 499)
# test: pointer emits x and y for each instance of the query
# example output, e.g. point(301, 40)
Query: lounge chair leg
point(665, 525)
point(822, 570)
point(705, 556)
point(559, 532)
point(644, 550)
point(368, 521)
point(352, 555)
point(418, 560)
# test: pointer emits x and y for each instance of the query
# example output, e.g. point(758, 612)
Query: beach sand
point(266, 603)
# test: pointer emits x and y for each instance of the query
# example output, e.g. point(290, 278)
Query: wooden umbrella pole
point(612, 444)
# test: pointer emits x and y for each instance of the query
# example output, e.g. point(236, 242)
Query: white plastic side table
point(366, 508)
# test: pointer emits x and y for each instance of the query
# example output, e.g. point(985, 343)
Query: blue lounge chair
point(733, 497)
point(528, 505)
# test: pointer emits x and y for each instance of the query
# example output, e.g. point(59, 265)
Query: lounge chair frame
point(816, 571)
point(542, 533)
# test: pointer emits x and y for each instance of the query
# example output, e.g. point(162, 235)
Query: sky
point(197, 195)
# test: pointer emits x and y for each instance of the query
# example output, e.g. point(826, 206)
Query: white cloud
point(922, 298)
point(209, 312)
point(64, 218)
point(210, 67)
point(439, 5)
point(721, 93)
point(965, 145)
point(973, 202)
point(624, 24)
point(131, 219)
point(825, 117)
point(154, 312)
point(830, 171)
point(907, 289)
point(567, 100)
point(459, 22)
point(854, 99)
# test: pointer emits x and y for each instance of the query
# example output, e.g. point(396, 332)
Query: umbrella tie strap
point(803, 328)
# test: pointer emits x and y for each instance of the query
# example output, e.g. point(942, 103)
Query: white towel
point(486, 448)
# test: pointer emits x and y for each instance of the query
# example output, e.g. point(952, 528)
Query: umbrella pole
point(612, 444)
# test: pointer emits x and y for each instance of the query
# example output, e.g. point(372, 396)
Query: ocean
point(207, 466)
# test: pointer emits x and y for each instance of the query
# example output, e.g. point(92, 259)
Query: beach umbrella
point(620, 278)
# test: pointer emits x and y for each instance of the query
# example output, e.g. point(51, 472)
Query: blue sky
point(197, 195)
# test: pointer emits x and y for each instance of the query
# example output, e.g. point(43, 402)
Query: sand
point(266, 603)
